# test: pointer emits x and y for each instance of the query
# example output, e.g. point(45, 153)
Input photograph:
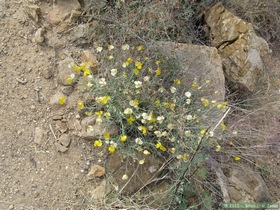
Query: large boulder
point(247, 186)
point(240, 48)
point(201, 64)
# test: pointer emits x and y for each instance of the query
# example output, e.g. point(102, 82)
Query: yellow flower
point(143, 129)
point(140, 47)
point(87, 72)
point(138, 65)
point(160, 146)
point(157, 102)
point(88, 113)
point(124, 75)
point(130, 120)
point(222, 105)
point(134, 103)
point(99, 114)
point(97, 143)
point(129, 60)
point(158, 72)
point(177, 81)
point(107, 114)
point(123, 138)
point(223, 126)
point(111, 149)
point(237, 158)
point(62, 100)
point(203, 131)
point(103, 100)
point(153, 119)
point(218, 148)
point(185, 156)
point(69, 80)
point(81, 104)
point(158, 62)
point(194, 85)
point(146, 152)
point(141, 162)
point(136, 71)
point(166, 104)
point(205, 102)
point(106, 135)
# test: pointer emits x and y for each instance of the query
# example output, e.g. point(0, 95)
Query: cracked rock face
point(240, 48)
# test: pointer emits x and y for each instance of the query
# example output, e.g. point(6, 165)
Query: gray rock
point(65, 140)
point(67, 90)
point(60, 148)
point(46, 72)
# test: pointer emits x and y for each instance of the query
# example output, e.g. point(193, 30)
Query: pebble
point(39, 135)
point(65, 140)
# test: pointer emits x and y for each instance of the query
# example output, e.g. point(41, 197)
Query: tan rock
point(62, 10)
point(33, 12)
point(64, 71)
point(99, 192)
point(60, 147)
point(88, 56)
point(95, 171)
point(249, 185)
point(240, 48)
point(137, 175)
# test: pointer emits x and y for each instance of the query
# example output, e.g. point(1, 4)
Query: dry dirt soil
point(35, 175)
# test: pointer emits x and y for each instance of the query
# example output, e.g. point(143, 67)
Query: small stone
point(98, 193)
point(33, 12)
point(39, 36)
point(65, 139)
point(38, 135)
point(95, 171)
point(60, 148)
point(11, 207)
point(57, 117)
point(62, 126)
point(67, 90)
point(64, 71)
point(46, 72)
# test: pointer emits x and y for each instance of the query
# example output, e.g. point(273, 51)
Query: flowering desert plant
point(140, 93)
